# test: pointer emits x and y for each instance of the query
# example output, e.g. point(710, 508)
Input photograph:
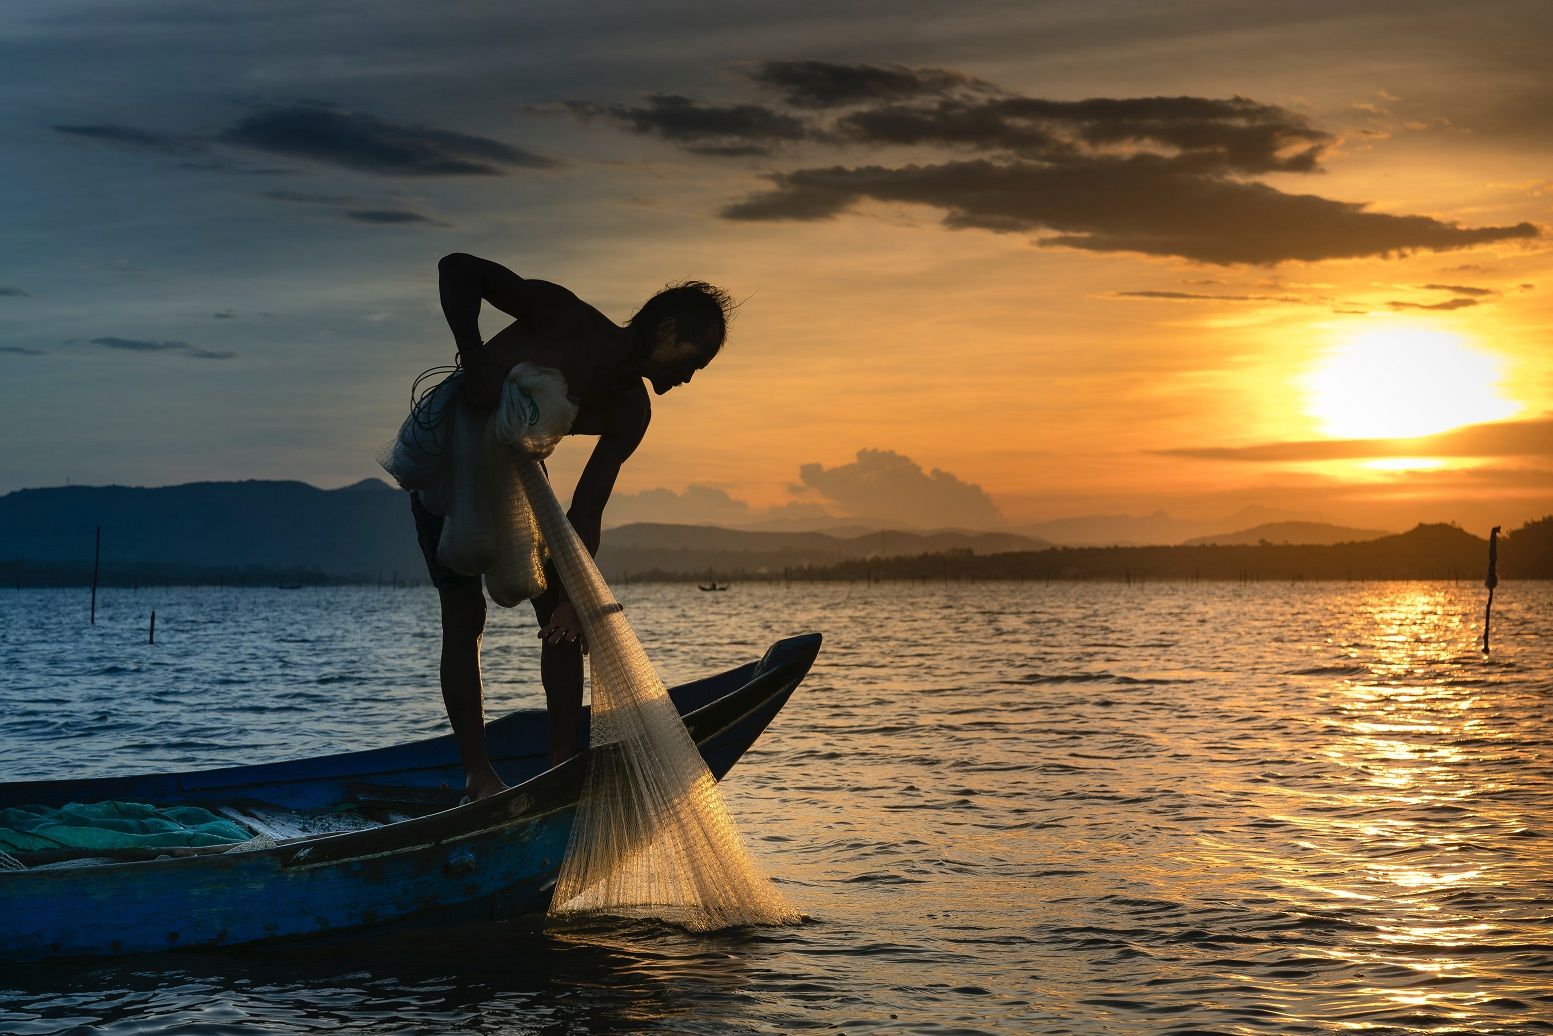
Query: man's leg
point(463, 626)
point(560, 667)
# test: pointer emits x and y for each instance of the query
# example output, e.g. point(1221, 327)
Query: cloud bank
point(886, 483)
point(1496, 439)
point(364, 143)
point(153, 345)
point(1166, 176)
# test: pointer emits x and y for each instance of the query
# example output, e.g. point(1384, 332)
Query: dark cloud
point(1504, 476)
point(362, 142)
point(308, 198)
point(129, 138)
point(1202, 133)
point(20, 350)
point(729, 130)
point(153, 345)
point(1460, 289)
point(821, 84)
point(1446, 306)
point(1139, 204)
point(1498, 439)
point(357, 210)
point(954, 124)
point(391, 217)
point(1168, 176)
point(1187, 296)
point(885, 482)
point(10, 292)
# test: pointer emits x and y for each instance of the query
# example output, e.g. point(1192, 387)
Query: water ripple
point(1196, 808)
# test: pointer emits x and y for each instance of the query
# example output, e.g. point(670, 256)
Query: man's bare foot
point(484, 786)
point(473, 794)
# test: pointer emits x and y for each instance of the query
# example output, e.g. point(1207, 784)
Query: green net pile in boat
point(652, 836)
point(113, 825)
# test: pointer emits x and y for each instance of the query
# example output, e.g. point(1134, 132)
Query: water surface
point(1005, 808)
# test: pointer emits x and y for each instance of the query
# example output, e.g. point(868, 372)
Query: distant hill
point(698, 549)
point(360, 531)
point(1158, 528)
point(290, 531)
point(1290, 532)
point(1425, 552)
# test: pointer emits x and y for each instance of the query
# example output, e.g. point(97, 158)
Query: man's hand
point(483, 379)
point(563, 627)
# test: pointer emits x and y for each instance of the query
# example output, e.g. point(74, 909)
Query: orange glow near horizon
point(1404, 380)
point(1405, 464)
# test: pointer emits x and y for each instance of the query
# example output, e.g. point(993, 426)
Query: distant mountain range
point(1433, 551)
point(288, 532)
point(1159, 528)
point(652, 547)
point(365, 532)
point(361, 531)
point(1290, 532)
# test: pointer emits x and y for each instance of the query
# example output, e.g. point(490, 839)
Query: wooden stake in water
point(151, 638)
point(96, 560)
point(1491, 582)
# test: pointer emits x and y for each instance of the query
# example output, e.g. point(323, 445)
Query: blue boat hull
point(491, 859)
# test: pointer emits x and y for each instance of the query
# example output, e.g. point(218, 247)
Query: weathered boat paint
point(494, 858)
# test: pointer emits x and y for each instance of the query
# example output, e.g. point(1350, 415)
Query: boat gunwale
point(529, 801)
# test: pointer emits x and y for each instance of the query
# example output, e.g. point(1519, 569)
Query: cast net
point(652, 836)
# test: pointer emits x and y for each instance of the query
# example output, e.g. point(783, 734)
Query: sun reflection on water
point(1411, 737)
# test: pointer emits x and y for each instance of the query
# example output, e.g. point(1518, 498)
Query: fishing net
point(418, 457)
point(652, 836)
point(461, 462)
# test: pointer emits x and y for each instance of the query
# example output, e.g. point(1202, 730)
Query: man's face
point(674, 361)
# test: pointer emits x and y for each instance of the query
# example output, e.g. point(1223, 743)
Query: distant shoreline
point(1438, 552)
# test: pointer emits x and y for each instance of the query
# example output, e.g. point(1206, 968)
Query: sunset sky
point(1000, 262)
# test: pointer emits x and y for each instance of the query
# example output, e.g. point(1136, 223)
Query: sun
point(1402, 381)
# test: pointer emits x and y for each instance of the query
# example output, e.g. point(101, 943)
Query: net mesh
point(652, 836)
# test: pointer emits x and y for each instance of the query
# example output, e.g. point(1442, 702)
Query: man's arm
point(464, 281)
point(551, 326)
point(617, 442)
point(598, 477)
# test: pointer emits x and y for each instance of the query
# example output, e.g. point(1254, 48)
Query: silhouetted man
point(674, 335)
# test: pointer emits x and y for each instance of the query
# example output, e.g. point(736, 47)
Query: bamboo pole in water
point(96, 561)
point(1491, 582)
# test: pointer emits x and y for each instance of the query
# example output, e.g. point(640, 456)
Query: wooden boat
point(711, 586)
point(409, 855)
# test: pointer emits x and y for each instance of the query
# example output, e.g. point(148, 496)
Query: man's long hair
point(700, 312)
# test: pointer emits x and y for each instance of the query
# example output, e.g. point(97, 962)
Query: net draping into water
point(652, 835)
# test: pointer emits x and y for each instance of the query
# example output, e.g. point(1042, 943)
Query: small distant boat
point(711, 586)
point(398, 848)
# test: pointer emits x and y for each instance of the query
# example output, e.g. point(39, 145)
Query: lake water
point(1005, 808)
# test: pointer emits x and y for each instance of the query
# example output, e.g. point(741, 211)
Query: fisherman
point(672, 337)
